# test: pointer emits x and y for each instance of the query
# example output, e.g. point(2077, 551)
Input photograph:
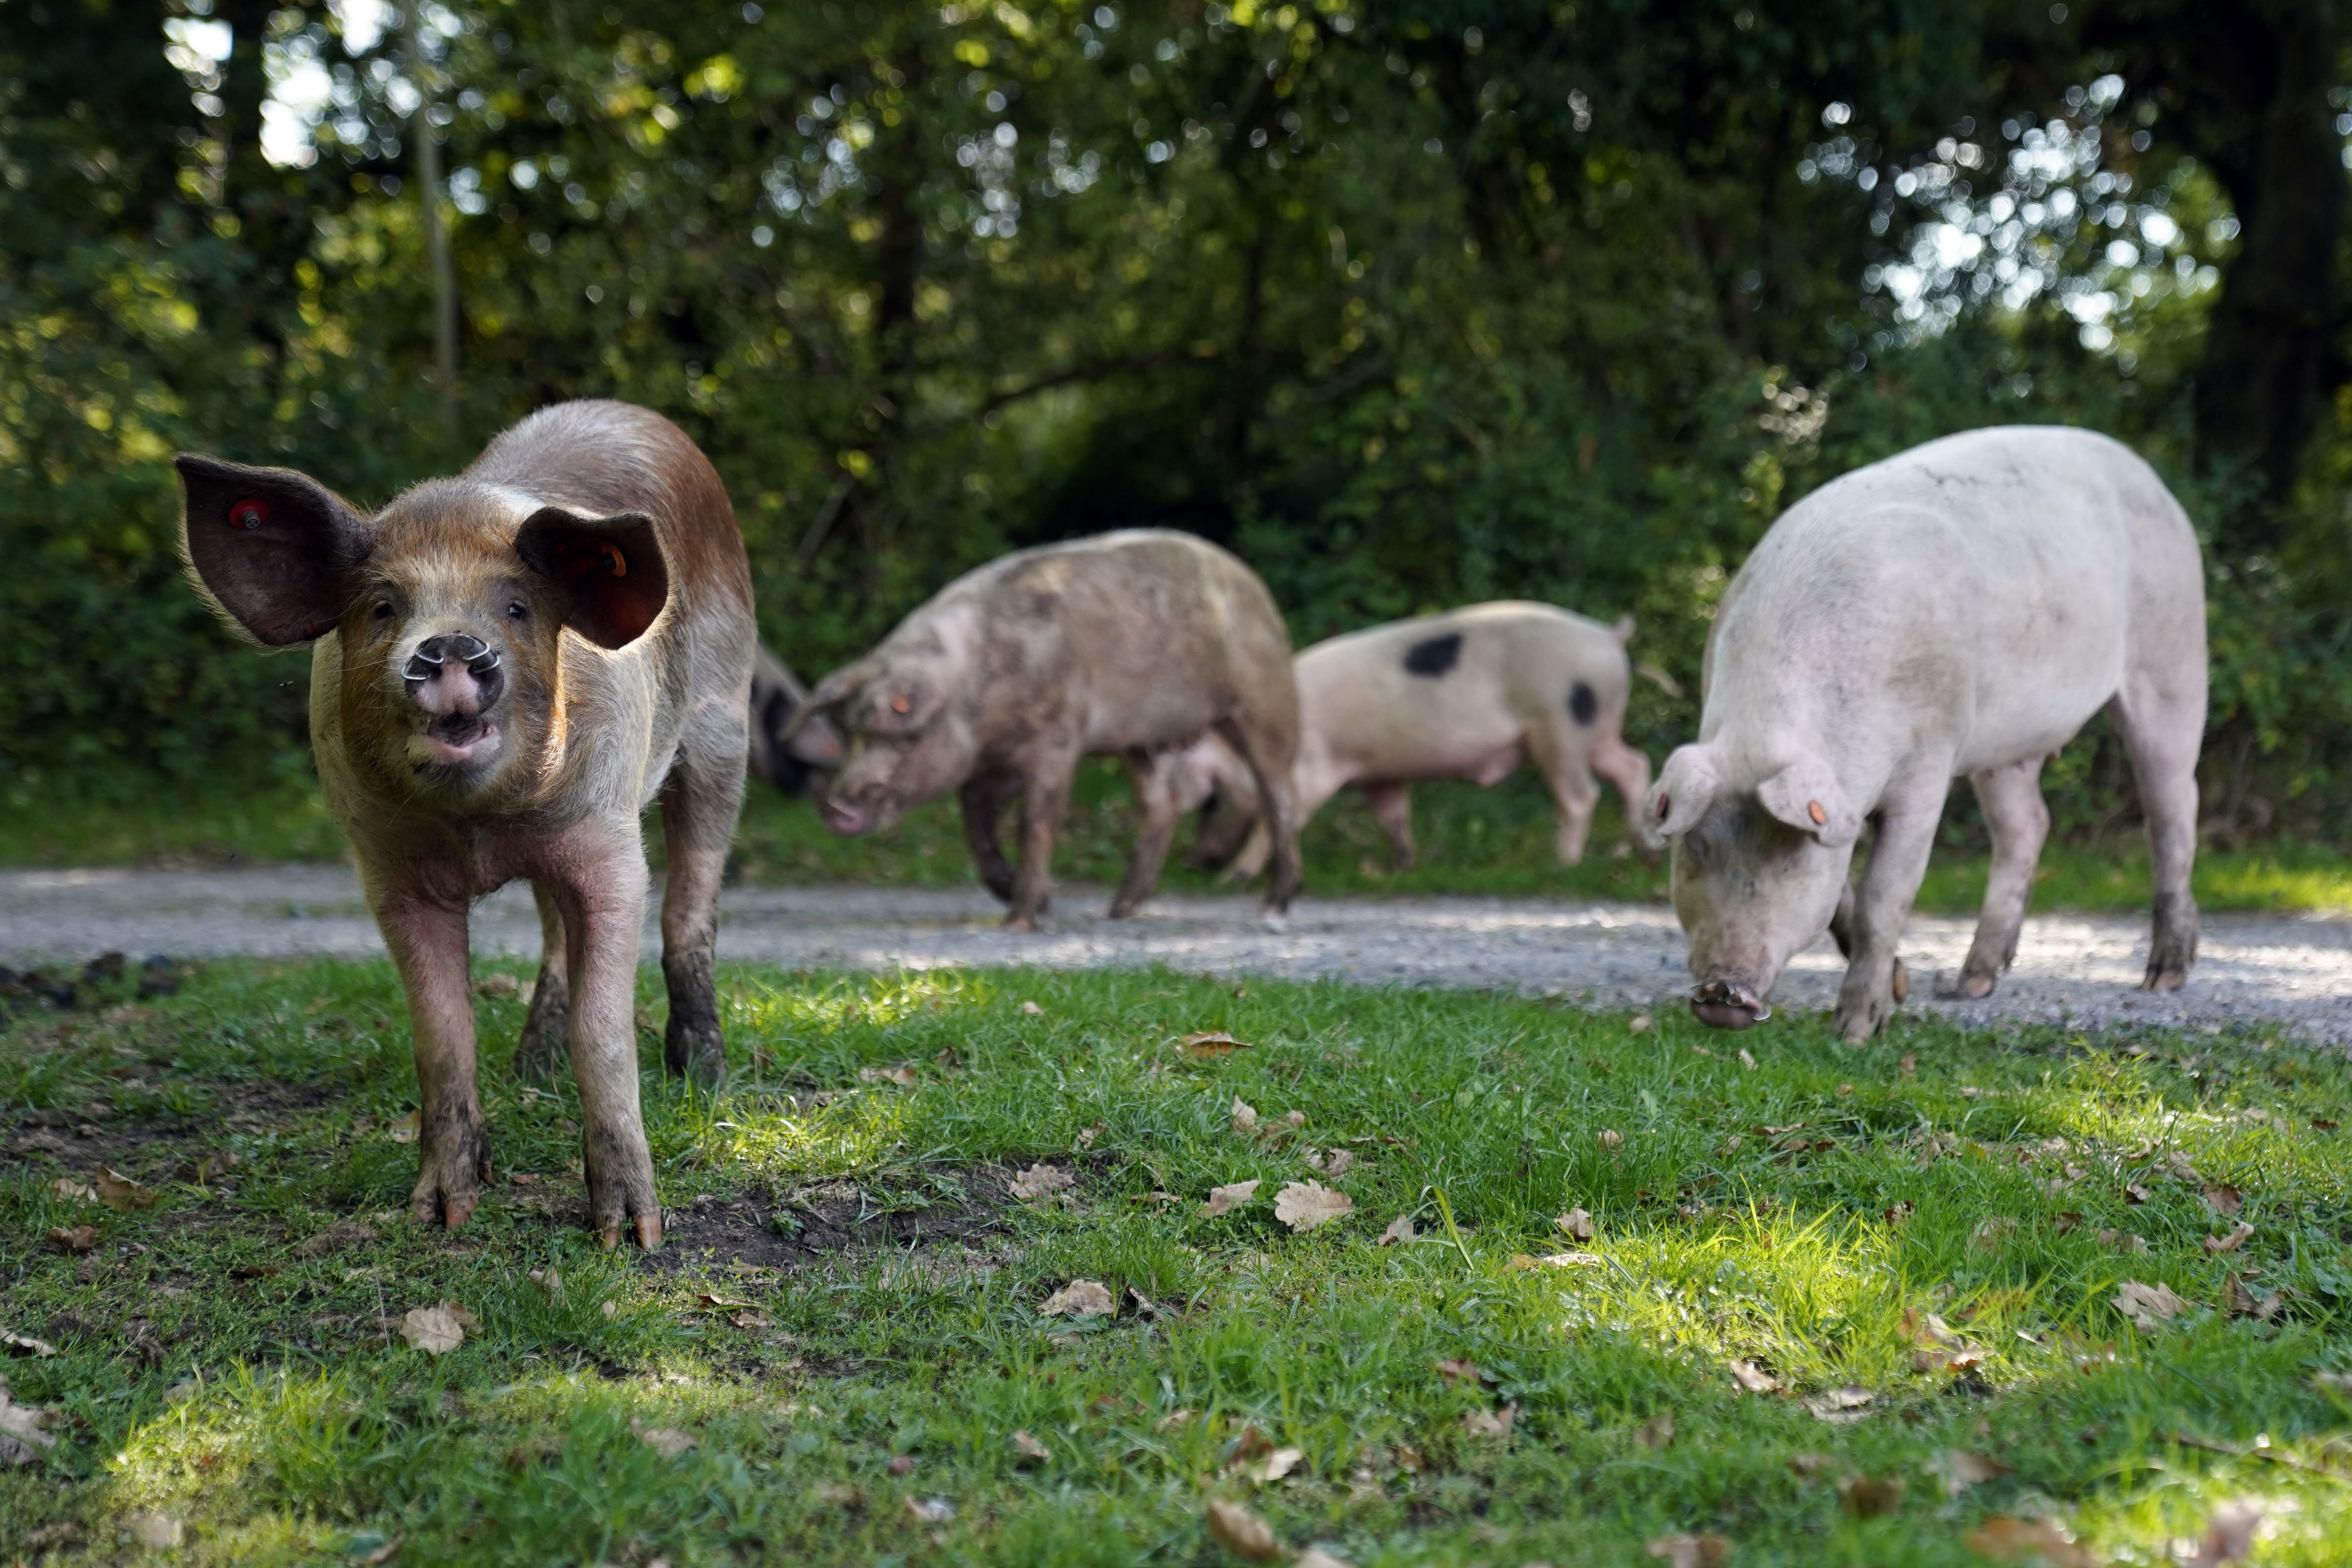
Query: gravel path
point(2290, 970)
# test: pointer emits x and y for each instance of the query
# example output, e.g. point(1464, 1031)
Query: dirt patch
point(152, 1145)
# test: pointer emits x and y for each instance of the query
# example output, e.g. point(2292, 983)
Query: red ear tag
point(899, 704)
point(249, 513)
point(615, 563)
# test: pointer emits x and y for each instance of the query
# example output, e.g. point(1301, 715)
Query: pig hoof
point(1020, 922)
point(1276, 921)
point(697, 1054)
point(2164, 979)
point(1902, 981)
point(1976, 987)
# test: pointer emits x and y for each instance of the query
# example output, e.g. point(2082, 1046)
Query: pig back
point(1988, 589)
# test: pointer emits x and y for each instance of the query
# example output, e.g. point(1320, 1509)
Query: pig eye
point(515, 612)
point(383, 609)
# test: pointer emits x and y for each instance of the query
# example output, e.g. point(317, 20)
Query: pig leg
point(1627, 771)
point(1564, 772)
point(541, 1049)
point(2161, 730)
point(1153, 781)
point(2019, 821)
point(1270, 759)
point(700, 804)
point(428, 939)
point(1874, 981)
point(1392, 807)
point(603, 916)
point(1044, 799)
point(984, 798)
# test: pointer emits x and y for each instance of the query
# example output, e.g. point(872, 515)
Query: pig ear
point(1686, 787)
point(271, 548)
point(609, 570)
point(829, 693)
point(1807, 797)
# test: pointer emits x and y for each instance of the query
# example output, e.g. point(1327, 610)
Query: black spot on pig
point(1582, 706)
point(1433, 656)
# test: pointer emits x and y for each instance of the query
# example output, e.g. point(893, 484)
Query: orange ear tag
point(899, 704)
point(1814, 809)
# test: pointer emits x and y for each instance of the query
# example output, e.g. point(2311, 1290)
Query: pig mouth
point(847, 820)
point(456, 740)
point(1726, 1004)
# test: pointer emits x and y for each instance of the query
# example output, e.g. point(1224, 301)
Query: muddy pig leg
point(2161, 730)
point(604, 914)
point(698, 807)
point(984, 798)
point(428, 939)
point(1268, 752)
point(1392, 807)
point(1045, 797)
point(1875, 982)
point(1152, 775)
point(541, 1050)
point(2019, 821)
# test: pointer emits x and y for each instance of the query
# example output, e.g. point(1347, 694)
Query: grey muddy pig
point(1133, 644)
point(1962, 608)
point(1472, 694)
point(506, 668)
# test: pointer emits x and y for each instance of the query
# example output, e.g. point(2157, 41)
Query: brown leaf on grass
point(1691, 1550)
point(1747, 1060)
point(1086, 1135)
point(1962, 1469)
point(1938, 1348)
point(2225, 1201)
point(1576, 1224)
point(1454, 1370)
point(1079, 1299)
point(2066, 1223)
point(435, 1329)
point(1276, 1465)
point(667, 1441)
point(1028, 1447)
point(22, 1435)
point(67, 1187)
point(1639, 1022)
point(1612, 1140)
point(901, 1075)
point(15, 1344)
point(497, 985)
point(1490, 1423)
point(1657, 1431)
point(117, 1190)
point(1841, 1407)
point(1242, 1532)
point(2228, 1534)
point(550, 1281)
point(1041, 1181)
point(81, 1238)
point(1994, 1231)
point(1866, 1498)
point(1032, 1009)
point(2232, 1242)
point(2149, 1306)
point(930, 1511)
point(1400, 1229)
point(2243, 1303)
point(1212, 1043)
point(404, 1130)
point(1303, 1205)
point(204, 1167)
point(1225, 1199)
point(1337, 1163)
point(2027, 1541)
point(752, 1319)
point(1812, 1467)
point(1754, 1379)
point(155, 1532)
point(2177, 1167)
point(1897, 1213)
point(2122, 1241)
point(2135, 1194)
point(1174, 1419)
point(1245, 1115)
point(344, 1232)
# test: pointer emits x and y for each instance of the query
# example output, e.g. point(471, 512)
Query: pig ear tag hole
point(248, 514)
point(1814, 809)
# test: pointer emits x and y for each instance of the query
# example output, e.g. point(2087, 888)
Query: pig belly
point(1485, 764)
point(2040, 673)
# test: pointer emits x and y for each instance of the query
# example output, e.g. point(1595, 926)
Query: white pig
point(1963, 608)
point(1472, 694)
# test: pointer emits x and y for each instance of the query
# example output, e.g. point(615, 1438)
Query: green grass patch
point(846, 1320)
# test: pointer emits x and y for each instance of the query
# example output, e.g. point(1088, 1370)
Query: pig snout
point(1725, 1003)
point(453, 680)
point(847, 818)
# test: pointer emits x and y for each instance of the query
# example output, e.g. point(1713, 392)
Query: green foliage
point(1411, 304)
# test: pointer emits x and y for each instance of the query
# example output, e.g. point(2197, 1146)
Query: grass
point(881, 1344)
point(1491, 843)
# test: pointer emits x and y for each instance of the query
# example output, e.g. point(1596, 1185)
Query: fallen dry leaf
point(1994, 1231)
point(2229, 1533)
point(1571, 1260)
point(1962, 1469)
point(667, 1441)
point(2149, 1306)
point(1224, 1199)
point(2232, 1242)
point(1086, 1135)
point(1303, 1205)
point(1490, 1423)
point(1212, 1043)
point(1938, 1348)
point(1277, 1464)
point(1174, 1419)
point(1041, 1182)
point(1242, 1532)
point(16, 1343)
point(1754, 1379)
point(1657, 1431)
point(1811, 1466)
point(1079, 1299)
point(1841, 1407)
point(2135, 1194)
point(1456, 1370)
point(2243, 1303)
point(1866, 1499)
point(1691, 1550)
point(550, 1281)
point(2028, 1540)
point(435, 1329)
point(930, 1511)
point(155, 1532)
point(1576, 1223)
point(1745, 1061)
point(497, 985)
point(81, 1238)
point(1032, 1009)
point(1245, 1115)
point(404, 1130)
point(2225, 1201)
point(1028, 1447)
point(1337, 1163)
point(1612, 1140)
point(67, 1187)
point(117, 1190)
point(901, 1074)
point(1638, 1023)
point(2122, 1241)
point(22, 1435)
point(1400, 1229)
point(344, 1232)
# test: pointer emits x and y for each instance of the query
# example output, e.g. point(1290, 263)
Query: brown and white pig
point(1961, 608)
point(794, 755)
point(1134, 643)
point(1472, 694)
point(506, 668)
